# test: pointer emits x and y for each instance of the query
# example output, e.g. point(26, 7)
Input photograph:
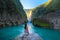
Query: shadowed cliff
point(46, 14)
point(11, 13)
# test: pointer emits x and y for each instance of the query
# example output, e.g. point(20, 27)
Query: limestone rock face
point(47, 12)
point(49, 6)
point(11, 12)
point(53, 18)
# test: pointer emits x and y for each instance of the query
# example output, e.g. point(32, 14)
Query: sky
point(29, 4)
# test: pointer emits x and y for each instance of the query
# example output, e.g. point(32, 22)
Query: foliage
point(41, 23)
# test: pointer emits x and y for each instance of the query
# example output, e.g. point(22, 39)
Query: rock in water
point(28, 37)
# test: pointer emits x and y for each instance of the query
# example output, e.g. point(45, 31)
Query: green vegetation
point(41, 23)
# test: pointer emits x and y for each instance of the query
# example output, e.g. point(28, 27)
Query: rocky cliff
point(11, 13)
point(43, 14)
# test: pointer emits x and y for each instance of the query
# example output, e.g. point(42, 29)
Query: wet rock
point(28, 37)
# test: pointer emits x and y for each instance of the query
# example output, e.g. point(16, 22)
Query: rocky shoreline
point(9, 24)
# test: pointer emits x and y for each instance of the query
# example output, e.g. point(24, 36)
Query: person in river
point(26, 28)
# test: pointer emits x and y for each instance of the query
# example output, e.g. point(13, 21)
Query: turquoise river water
point(9, 33)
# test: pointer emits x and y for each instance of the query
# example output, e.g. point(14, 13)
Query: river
point(9, 33)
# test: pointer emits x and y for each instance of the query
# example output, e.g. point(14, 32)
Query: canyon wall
point(11, 13)
point(44, 14)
